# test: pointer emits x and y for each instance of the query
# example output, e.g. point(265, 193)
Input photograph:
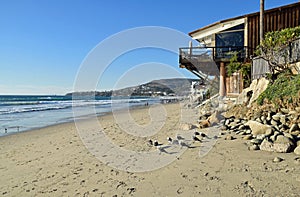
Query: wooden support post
point(222, 91)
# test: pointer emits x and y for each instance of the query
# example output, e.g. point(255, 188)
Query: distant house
point(240, 35)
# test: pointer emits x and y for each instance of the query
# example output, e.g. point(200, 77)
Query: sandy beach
point(55, 161)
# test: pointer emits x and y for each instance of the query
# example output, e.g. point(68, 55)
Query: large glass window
point(230, 39)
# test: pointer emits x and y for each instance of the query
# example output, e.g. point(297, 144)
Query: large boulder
point(297, 150)
point(258, 88)
point(258, 128)
point(281, 145)
point(282, 148)
point(250, 94)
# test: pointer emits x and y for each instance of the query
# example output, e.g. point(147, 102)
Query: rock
point(282, 148)
point(295, 133)
point(258, 128)
point(223, 128)
point(292, 112)
point(258, 120)
point(294, 127)
point(244, 96)
point(297, 160)
point(283, 144)
point(233, 125)
point(274, 123)
point(277, 159)
point(283, 120)
point(273, 138)
point(256, 141)
point(297, 150)
point(276, 117)
point(297, 109)
point(241, 127)
point(215, 118)
point(227, 122)
point(266, 145)
point(254, 147)
point(284, 110)
point(288, 135)
point(204, 124)
point(257, 86)
point(248, 131)
point(187, 126)
point(281, 139)
point(269, 133)
point(261, 137)
point(247, 137)
point(229, 137)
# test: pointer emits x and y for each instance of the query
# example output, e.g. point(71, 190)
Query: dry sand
point(54, 161)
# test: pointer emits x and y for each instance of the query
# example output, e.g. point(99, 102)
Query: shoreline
point(84, 117)
point(54, 161)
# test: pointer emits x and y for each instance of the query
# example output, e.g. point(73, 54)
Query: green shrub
point(284, 88)
point(235, 66)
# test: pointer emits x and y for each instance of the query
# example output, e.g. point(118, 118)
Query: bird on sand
point(203, 134)
point(150, 142)
point(195, 138)
point(155, 143)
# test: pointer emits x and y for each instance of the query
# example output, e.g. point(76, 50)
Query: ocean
point(22, 113)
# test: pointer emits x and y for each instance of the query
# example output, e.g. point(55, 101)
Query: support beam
point(222, 90)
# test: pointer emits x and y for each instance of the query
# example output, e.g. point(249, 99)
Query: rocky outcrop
point(250, 94)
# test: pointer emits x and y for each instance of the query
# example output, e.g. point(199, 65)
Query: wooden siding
point(274, 20)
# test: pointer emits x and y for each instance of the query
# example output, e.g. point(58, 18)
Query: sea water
point(21, 113)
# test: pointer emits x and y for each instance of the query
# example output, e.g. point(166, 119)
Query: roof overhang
point(215, 28)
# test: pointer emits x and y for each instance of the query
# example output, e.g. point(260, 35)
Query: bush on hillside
point(283, 90)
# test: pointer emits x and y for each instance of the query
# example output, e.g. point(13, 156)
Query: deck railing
point(212, 53)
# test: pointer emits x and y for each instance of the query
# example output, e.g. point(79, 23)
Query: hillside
point(161, 87)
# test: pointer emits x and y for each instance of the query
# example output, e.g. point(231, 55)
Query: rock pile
point(268, 130)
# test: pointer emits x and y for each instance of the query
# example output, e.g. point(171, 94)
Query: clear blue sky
point(43, 42)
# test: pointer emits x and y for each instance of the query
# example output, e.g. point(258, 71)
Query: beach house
point(219, 41)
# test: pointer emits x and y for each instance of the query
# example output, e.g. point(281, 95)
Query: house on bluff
point(219, 41)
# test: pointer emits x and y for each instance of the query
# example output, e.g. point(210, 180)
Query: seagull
point(170, 140)
point(156, 143)
point(150, 142)
point(196, 139)
point(203, 134)
point(179, 137)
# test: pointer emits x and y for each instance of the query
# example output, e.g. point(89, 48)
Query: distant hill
point(161, 87)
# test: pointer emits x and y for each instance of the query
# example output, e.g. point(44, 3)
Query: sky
point(44, 44)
